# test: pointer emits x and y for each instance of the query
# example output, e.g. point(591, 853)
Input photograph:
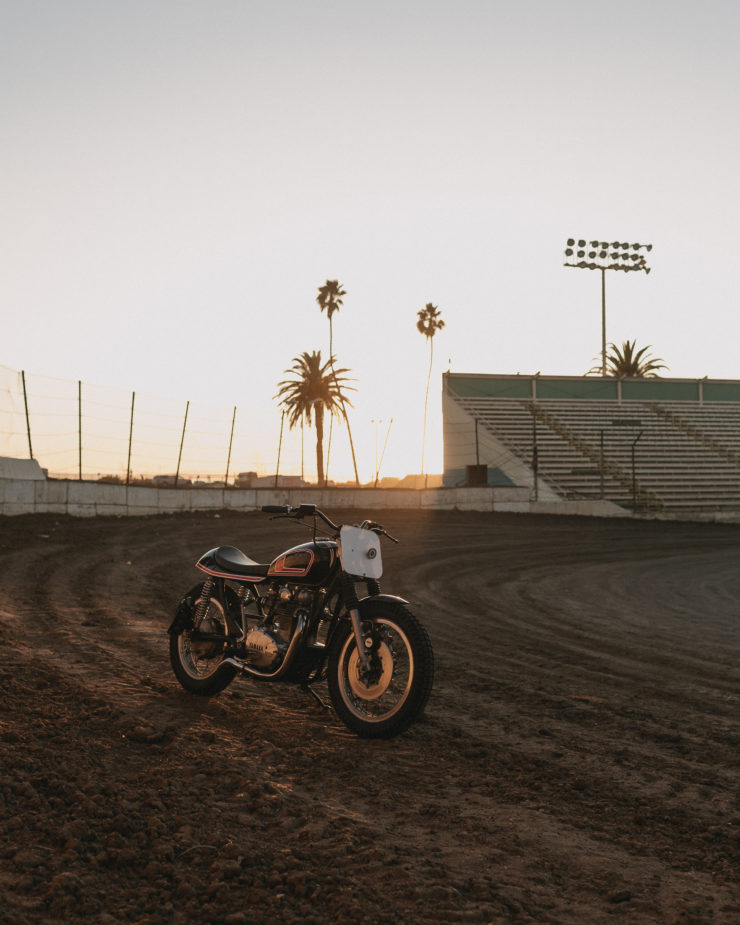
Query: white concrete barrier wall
point(23, 469)
point(94, 499)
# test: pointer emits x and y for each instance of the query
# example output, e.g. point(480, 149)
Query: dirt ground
point(578, 761)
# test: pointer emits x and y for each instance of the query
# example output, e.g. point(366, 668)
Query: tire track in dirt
point(533, 596)
point(563, 772)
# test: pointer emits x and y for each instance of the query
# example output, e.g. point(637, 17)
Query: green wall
point(490, 387)
point(721, 391)
point(601, 389)
point(660, 390)
point(588, 387)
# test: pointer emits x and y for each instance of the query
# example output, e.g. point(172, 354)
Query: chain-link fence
point(80, 431)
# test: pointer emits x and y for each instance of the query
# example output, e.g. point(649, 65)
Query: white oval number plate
point(360, 551)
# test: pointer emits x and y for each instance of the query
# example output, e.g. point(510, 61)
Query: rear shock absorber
point(205, 597)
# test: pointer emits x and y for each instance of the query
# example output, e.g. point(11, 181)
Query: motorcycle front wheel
point(198, 663)
point(385, 700)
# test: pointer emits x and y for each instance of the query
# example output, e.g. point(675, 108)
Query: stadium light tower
point(600, 255)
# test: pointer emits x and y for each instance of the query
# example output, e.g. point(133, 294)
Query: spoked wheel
point(198, 663)
point(384, 700)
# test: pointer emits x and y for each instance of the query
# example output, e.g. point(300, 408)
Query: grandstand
point(663, 445)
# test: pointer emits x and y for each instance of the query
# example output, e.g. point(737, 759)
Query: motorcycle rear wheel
point(394, 695)
point(198, 664)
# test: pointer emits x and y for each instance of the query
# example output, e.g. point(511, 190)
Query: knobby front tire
point(402, 672)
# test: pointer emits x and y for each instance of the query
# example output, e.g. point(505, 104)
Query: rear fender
point(184, 617)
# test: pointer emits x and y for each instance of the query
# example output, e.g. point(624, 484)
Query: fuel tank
point(309, 563)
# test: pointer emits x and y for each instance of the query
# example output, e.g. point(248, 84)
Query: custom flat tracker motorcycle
point(299, 619)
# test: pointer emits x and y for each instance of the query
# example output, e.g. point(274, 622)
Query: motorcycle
point(299, 619)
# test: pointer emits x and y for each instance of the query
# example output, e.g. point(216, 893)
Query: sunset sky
point(178, 178)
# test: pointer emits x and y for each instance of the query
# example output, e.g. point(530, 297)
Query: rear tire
point(198, 664)
point(394, 694)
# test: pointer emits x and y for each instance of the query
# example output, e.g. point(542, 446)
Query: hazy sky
point(178, 178)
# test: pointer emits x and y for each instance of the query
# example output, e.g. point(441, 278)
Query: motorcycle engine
point(268, 642)
point(265, 647)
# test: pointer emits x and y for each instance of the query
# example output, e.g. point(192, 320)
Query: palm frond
point(626, 362)
point(330, 296)
point(313, 387)
point(429, 320)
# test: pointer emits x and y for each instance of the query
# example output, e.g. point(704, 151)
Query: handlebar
point(377, 528)
point(310, 510)
point(298, 513)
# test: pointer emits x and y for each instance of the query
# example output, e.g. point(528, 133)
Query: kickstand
point(309, 690)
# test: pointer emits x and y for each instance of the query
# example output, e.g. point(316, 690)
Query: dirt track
point(578, 761)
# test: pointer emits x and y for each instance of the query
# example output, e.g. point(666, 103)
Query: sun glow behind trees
point(179, 179)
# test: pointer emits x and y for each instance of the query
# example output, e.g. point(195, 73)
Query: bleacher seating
point(664, 455)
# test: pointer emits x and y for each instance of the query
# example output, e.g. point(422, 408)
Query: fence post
point(328, 450)
point(130, 435)
point(182, 441)
point(79, 430)
point(280, 444)
point(28, 423)
point(535, 455)
point(231, 440)
point(634, 476)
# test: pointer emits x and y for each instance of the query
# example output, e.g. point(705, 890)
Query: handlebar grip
point(276, 508)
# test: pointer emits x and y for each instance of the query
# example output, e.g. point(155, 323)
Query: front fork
point(363, 642)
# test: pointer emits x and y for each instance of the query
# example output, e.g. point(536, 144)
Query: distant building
point(168, 481)
point(252, 480)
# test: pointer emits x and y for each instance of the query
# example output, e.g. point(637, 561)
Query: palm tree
point(329, 299)
point(627, 362)
point(428, 323)
point(313, 390)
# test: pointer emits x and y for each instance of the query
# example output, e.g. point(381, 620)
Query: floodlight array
point(601, 255)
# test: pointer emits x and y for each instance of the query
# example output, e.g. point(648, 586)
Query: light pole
point(382, 455)
point(376, 421)
point(600, 255)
